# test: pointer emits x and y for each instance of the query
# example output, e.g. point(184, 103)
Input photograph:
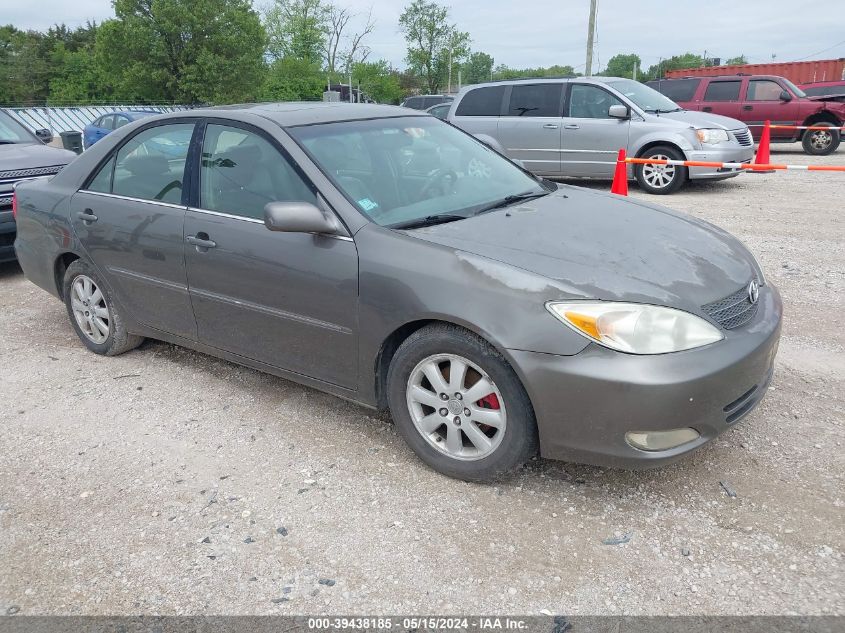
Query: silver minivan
point(574, 127)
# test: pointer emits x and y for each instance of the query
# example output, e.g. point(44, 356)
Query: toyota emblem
point(753, 292)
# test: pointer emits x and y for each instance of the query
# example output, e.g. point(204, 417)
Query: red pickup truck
point(754, 99)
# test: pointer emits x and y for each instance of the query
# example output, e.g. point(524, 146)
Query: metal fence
point(68, 119)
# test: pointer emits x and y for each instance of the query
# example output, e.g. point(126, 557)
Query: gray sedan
point(388, 258)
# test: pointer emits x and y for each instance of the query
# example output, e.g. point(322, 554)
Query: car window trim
point(114, 150)
point(231, 216)
point(118, 196)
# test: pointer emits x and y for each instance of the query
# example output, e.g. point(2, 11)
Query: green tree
point(505, 72)
point(77, 77)
point(736, 61)
point(622, 65)
point(290, 79)
point(183, 50)
point(24, 66)
point(477, 68)
point(676, 62)
point(297, 29)
point(432, 42)
point(378, 81)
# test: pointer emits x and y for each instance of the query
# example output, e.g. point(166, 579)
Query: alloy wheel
point(456, 407)
point(90, 309)
point(821, 139)
point(659, 176)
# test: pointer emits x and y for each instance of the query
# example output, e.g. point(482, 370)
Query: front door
point(129, 219)
point(763, 103)
point(531, 129)
point(591, 138)
point(286, 299)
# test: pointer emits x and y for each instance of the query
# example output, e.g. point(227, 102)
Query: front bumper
point(585, 403)
point(729, 153)
point(7, 236)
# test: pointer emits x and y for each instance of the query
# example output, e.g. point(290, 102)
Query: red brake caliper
point(490, 402)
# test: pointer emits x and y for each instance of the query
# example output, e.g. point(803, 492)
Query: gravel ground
point(165, 481)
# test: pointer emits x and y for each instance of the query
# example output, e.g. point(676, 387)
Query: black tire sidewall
point(834, 143)
point(680, 172)
point(76, 269)
point(520, 440)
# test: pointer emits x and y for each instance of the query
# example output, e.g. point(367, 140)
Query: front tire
point(661, 179)
point(459, 405)
point(821, 142)
point(93, 313)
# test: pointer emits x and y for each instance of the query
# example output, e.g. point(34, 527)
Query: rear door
point(763, 103)
point(286, 299)
point(722, 96)
point(530, 128)
point(591, 138)
point(129, 218)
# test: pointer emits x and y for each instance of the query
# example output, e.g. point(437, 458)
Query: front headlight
point(712, 136)
point(636, 328)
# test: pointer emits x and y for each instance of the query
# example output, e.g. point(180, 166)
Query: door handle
point(571, 126)
point(707, 109)
point(550, 126)
point(86, 216)
point(747, 107)
point(202, 244)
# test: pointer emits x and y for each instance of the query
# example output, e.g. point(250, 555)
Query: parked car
point(23, 156)
point(758, 98)
point(574, 127)
point(825, 89)
point(107, 123)
point(490, 310)
point(423, 102)
point(440, 110)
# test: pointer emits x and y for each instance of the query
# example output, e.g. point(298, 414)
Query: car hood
point(601, 246)
point(704, 120)
point(16, 156)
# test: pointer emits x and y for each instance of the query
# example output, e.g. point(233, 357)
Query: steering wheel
point(437, 181)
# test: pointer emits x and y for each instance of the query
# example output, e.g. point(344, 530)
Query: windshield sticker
point(367, 204)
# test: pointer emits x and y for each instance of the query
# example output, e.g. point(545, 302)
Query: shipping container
point(796, 72)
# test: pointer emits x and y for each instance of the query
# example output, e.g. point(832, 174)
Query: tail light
point(15, 204)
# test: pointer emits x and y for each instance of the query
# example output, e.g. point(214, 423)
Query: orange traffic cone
point(762, 156)
point(620, 176)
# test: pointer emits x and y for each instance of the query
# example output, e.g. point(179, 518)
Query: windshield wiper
point(6, 142)
point(659, 111)
point(429, 220)
point(512, 199)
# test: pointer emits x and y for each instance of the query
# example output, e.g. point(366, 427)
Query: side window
point(590, 102)
point(414, 103)
point(151, 165)
point(677, 89)
point(535, 100)
point(764, 90)
point(106, 122)
point(120, 121)
point(482, 102)
point(102, 181)
point(241, 172)
point(722, 91)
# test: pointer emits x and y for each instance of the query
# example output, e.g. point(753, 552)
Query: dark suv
point(754, 99)
point(424, 102)
point(23, 155)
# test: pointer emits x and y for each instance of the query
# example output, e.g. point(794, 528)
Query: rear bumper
point(587, 402)
point(8, 229)
point(728, 154)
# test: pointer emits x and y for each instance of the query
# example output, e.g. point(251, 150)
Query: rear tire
point(661, 179)
point(481, 437)
point(93, 314)
point(821, 142)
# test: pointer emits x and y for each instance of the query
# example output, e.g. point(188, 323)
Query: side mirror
point(44, 135)
point(297, 217)
point(785, 96)
point(618, 111)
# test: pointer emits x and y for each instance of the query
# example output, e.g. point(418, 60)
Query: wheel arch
point(60, 266)
point(822, 116)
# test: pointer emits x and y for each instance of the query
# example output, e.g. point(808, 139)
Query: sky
point(547, 32)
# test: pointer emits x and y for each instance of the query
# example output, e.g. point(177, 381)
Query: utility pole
point(634, 72)
point(588, 70)
point(449, 91)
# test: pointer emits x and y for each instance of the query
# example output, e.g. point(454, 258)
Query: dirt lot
point(165, 481)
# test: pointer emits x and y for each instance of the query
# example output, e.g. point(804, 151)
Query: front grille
point(732, 311)
point(5, 203)
point(743, 137)
point(16, 174)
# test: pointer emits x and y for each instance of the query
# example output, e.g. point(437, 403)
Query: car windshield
point(647, 99)
point(795, 89)
point(13, 132)
point(411, 171)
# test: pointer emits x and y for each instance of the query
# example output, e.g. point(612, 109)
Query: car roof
point(293, 113)
point(546, 80)
point(734, 77)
